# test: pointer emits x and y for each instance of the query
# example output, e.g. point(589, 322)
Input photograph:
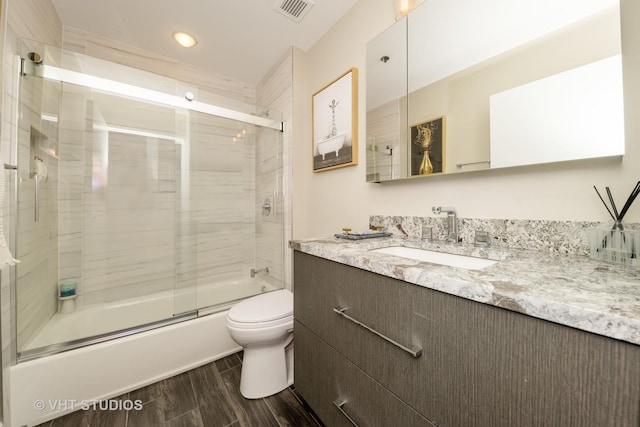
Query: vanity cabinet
point(480, 365)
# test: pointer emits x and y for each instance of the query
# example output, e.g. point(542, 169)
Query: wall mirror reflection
point(517, 83)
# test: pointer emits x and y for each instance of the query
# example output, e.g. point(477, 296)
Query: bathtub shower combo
point(137, 214)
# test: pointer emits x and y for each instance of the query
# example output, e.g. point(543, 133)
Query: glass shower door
point(137, 208)
point(235, 178)
point(99, 208)
point(37, 237)
point(130, 205)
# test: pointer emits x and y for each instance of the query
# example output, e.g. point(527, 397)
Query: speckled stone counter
point(568, 289)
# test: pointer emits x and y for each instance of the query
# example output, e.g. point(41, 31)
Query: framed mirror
point(511, 83)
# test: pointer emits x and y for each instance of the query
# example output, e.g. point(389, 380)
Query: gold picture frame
point(427, 154)
point(335, 123)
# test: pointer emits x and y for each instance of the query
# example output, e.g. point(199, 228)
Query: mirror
point(461, 86)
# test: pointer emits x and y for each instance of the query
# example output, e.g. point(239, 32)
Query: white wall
point(327, 201)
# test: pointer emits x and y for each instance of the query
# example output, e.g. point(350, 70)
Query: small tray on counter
point(361, 236)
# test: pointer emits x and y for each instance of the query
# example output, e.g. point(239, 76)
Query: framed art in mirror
point(335, 123)
point(428, 147)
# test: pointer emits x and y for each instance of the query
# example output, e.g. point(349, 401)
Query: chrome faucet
point(452, 222)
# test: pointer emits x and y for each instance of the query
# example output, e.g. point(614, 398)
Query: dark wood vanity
point(406, 355)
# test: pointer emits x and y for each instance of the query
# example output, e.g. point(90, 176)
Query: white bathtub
point(51, 386)
point(331, 144)
point(100, 319)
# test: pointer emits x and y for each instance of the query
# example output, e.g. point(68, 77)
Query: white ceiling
point(241, 39)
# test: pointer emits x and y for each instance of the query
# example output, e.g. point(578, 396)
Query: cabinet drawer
point(381, 303)
point(480, 364)
point(326, 380)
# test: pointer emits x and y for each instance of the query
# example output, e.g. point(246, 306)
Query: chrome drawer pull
point(339, 404)
point(414, 351)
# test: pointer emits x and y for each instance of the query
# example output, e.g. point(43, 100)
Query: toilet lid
point(263, 308)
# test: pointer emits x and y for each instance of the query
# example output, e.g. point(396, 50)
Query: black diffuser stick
point(613, 204)
point(604, 203)
point(630, 200)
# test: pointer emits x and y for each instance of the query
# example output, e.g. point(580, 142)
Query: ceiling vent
point(293, 9)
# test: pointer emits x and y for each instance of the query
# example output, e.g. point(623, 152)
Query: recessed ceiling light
point(184, 39)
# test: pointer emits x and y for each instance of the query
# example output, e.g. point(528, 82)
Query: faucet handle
point(440, 209)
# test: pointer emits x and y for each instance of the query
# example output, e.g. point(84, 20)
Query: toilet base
point(266, 370)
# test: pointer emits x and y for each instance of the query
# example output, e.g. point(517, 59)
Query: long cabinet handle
point(414, 350)
point(339, 404)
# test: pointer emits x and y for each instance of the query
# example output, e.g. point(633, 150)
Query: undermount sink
point(453, 260)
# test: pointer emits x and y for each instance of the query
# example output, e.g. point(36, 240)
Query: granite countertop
point(572, 290)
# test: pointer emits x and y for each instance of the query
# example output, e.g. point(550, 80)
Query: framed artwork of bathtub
point(335, 123)
point(427, 153)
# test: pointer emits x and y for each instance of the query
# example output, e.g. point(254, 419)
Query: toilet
point(263, 325)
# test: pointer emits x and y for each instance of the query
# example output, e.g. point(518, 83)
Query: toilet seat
point(285, 321)
point(269, 309)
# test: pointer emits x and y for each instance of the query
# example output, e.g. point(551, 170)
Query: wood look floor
point(208, 396)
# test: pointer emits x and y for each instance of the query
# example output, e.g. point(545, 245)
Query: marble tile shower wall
point(570, 237)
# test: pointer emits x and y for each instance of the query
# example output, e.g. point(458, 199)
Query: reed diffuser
point(616, 244)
